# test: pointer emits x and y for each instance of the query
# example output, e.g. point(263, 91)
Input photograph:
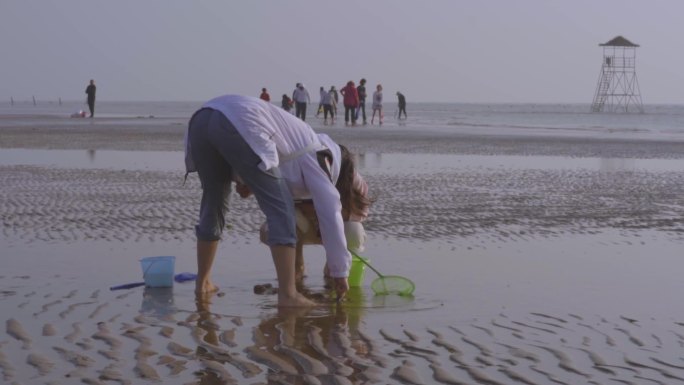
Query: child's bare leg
point(284, 261)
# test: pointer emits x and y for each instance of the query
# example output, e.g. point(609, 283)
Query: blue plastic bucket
point(158, 271)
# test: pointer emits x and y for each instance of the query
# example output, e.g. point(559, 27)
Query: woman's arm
point(328, 207)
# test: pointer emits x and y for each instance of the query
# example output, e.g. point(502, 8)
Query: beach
point(538, 258)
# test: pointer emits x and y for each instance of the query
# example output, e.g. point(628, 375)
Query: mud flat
point(529, 269)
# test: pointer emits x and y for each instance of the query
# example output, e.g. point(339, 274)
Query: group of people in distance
point(306, 185)
point(353, 99)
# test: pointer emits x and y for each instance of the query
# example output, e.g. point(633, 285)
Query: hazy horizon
point(389, 100)
point(441, 51)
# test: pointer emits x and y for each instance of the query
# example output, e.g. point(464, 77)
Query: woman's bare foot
point(206, 287)
point(298, 300)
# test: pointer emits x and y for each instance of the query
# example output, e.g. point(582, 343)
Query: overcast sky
point(514, 51)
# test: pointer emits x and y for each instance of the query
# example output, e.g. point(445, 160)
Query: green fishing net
point(393, 284)
point(388, 284)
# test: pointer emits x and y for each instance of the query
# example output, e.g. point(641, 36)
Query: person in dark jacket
point(286, 103)
point(402, 104)
point(90, 91)
point(361, 90)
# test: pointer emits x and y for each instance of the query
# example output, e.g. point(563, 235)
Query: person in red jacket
point(264, 95)
point(351, 102)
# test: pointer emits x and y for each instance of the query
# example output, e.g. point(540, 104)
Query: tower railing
point(619, 62)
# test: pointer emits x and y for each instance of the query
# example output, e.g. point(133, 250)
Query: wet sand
point(533, 275)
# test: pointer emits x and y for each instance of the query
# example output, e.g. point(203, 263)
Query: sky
point(477, 51)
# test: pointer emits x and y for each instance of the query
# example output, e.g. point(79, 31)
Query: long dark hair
point(353, 200)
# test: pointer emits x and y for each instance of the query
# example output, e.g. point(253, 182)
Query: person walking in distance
point(264, 95)
point(361, 90)
point(301, 99)
point(402, 104)
point(377, 103)
point(329, 106)
point(321, 95)
point(286, 103)
point(90, 91)
point(336, 96)
point(351, 102)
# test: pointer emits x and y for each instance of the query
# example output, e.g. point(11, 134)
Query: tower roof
point(619, 41)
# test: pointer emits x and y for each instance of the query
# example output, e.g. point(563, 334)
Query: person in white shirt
point(301, 98)
point(277, 156)
point(329, 106)
point(354, 198)
point(321, 95)
point(377, 103)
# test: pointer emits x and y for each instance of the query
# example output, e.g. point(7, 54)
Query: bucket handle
point(148, 267)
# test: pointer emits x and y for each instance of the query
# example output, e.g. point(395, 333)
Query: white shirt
point(280, 139)
point(377, 99)
point(301, 95)
point(328, 98)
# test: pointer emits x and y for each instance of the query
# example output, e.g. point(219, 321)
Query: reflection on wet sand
point(208, 336)
point(174, 338)
point(157, 302)
point(320, 345)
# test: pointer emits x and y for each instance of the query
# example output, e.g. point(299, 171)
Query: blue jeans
point(219, 151)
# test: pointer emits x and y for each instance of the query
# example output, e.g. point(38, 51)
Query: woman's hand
point(341, 287)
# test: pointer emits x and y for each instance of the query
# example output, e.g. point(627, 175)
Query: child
point(286, 103)
point(355, 204)
point(329, 107)
point(377, 103)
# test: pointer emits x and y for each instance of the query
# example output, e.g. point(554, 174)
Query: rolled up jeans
point(219, 151)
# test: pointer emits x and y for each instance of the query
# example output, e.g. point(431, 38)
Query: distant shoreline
point(166, 134)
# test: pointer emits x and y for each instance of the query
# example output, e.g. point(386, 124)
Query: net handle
point(366, 263)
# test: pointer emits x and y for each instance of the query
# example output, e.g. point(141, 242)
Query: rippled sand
point(532, 276)
point(64, 334)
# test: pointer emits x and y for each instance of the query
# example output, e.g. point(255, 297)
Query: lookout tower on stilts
point(617, 89)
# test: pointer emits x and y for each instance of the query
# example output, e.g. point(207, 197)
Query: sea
point(657, 122)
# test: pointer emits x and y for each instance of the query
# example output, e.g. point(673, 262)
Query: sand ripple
point(494, 206)
point(536, 348)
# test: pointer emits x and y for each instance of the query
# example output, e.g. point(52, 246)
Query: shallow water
point(584, 307)
point(658, 122)
point(367, 162)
